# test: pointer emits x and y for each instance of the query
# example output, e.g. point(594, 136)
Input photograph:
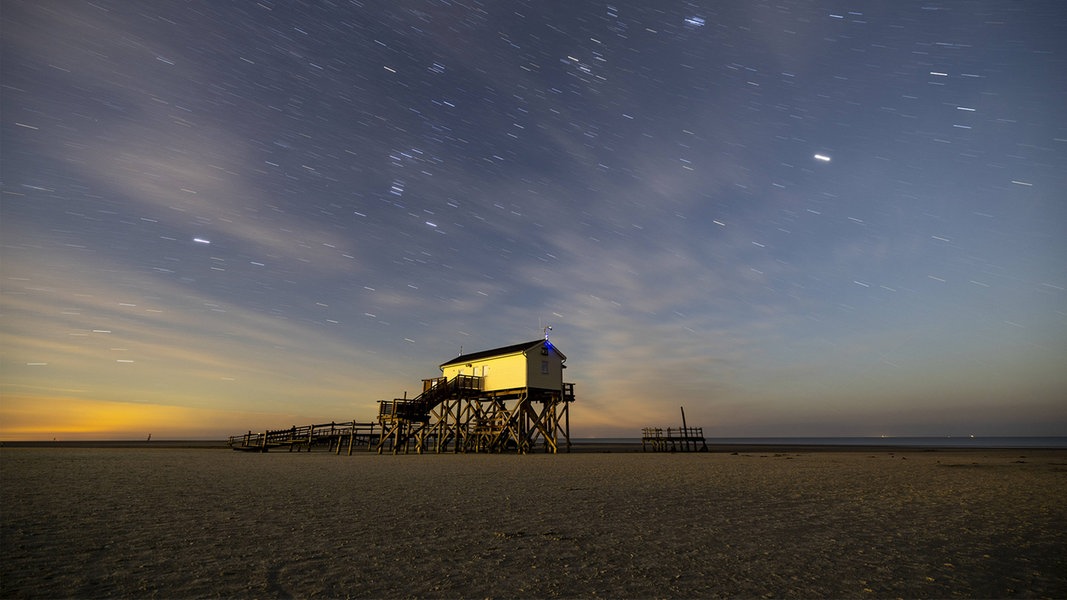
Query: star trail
point(795, 218)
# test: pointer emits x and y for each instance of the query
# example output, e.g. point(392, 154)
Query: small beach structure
point(508, 399)
point(676, 439)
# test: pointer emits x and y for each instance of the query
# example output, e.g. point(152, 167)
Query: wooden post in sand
point(685, 430)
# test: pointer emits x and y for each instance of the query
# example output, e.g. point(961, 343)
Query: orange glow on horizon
point(28, 418)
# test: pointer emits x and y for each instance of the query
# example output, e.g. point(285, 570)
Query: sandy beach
point(748, 522)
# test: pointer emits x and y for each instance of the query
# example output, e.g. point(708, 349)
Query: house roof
point(513, 349)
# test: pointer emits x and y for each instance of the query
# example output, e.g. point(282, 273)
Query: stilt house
point(495, 400)
point(506, 399)
point(530, 366)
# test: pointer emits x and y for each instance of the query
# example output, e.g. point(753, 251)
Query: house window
point(544, 367)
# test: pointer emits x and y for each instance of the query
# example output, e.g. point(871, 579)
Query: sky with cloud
point(794, 219)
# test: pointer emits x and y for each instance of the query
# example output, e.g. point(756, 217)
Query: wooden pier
point(676, 439)
point(333, 436)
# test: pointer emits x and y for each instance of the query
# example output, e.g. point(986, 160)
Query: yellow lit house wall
point(534, 366)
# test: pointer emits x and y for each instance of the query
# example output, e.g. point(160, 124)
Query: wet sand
point(736, 522)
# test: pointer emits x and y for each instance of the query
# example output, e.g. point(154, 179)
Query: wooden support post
point(685, 430)
point(567, 423)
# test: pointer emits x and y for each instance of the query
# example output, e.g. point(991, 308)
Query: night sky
point(792, 218)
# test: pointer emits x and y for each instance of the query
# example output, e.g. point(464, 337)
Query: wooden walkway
point(334, 436)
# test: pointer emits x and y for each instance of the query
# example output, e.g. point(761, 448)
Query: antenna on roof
point(547, 329)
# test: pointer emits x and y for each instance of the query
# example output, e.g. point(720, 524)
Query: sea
point(891, 441)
